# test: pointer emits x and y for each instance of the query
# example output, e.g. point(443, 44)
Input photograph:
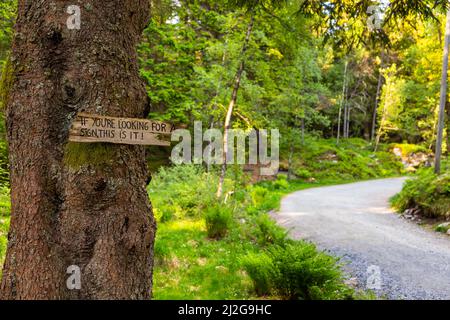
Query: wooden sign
point(93, 128)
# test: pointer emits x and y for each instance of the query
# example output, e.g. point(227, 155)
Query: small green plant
point(281, 183)
point(443, 228)
point(428, 192)
point(218, 221)
point(304, 273)
point(259, 194)
point(260, 269)
point(267, 232)
point(297, 271)
point(302, 173)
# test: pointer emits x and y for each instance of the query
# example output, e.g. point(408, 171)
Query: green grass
point(192, 266)
point(5, 208)
point(351, 159)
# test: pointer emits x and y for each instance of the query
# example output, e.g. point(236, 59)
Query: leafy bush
point(304, 273)
point(267, 232)
point(297, 271)
point(218, 221)
point(429, 192)
point(260, 269)
point(259, 194)
point(281, 183)
point(303, 173)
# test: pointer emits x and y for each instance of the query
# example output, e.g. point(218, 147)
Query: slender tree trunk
point(447, 127)
point(377, 101)
point(303, 130)
point(441, 117)
point(344, 89)
point(93, 214)
point(344, 129)
point(291, 156)
point(383, 119)
point(347, 134)
point(227, 124)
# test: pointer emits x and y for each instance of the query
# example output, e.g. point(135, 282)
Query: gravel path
point(354, 222)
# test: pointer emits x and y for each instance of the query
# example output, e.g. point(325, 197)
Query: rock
point(352, 282)
point(444, 225)
point(448, 232)
point(397, 152)
point(222, 269)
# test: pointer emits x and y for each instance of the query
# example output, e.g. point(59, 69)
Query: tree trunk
point(291, 156)
point(344, 90)
point(447, 127)
point(441, 118)
point(377, 101)
point(347, 130)
point(227, 125)
point(83, 205)
point(303, 130)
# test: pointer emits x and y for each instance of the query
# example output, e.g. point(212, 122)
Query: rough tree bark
point(227, 124)
point(94, 214)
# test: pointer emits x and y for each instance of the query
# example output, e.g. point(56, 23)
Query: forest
point(356, 89)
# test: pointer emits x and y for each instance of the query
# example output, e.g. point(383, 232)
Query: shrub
point(172, 192)
point(429, 192)
point(281, 183)
point(303, 173)
point(297, 271)
point(260, 269)
point(218, 221)
point(304, 273)
point(268, 232)
point(258, 194)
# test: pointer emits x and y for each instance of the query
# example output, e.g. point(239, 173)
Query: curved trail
point(354, 222)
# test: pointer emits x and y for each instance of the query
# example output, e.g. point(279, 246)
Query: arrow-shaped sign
point(94, 128)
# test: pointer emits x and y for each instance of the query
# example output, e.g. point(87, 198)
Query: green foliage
point(7, 17)
point(260, 268)
point(429, 192)
point(174, 196)
point(197, 268)
point(297, 271)
point(408, 149)
point(218, 221)
point(5, 209)
point(441, 228)
point(267, 232)
point(352, 159)
point(303, 173)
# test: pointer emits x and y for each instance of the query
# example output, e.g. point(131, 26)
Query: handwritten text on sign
point(93, 128)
